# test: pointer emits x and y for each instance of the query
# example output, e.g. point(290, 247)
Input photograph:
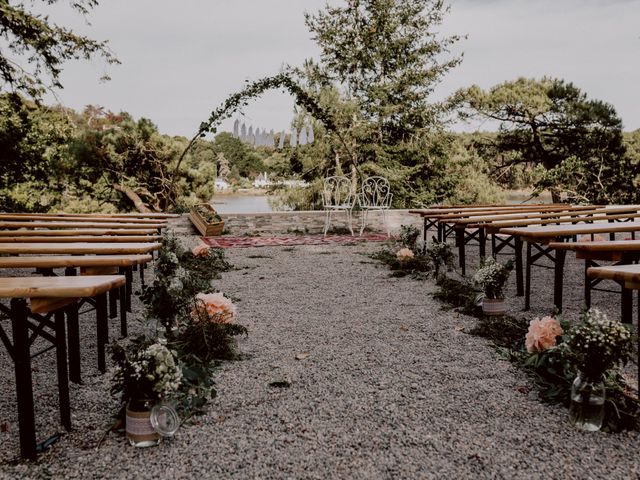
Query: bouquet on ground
point(492, 277)
point(598, 344)
point(146, 372)
point(207, 333)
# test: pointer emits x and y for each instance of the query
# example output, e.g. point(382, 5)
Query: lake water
point(242, 203)
point(260, 203)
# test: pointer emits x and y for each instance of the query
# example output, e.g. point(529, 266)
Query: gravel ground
point(392, 387)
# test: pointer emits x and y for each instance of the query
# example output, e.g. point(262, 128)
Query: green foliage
point(458, 294)
point(32, 151)
point(577, 141)
point(180, 276)
point(145, 371)
point(237, 154)
point(408, 236)
point(388, 57)
point(441, 256)
point(418, 266)
point(43, 45)
point(492, 275)
point(209, 340)
point(552, 370)
point(598, 344)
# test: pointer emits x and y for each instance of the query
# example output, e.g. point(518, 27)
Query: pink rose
point(201, 250)
point(216, 306)
point(404, 255)
point(542, 334)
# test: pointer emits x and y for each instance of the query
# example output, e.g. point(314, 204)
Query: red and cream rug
point(289, 240)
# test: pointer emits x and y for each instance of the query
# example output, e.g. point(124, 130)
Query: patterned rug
point(289, 240)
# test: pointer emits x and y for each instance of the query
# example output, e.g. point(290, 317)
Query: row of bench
point(98, 254)
point(546, 233)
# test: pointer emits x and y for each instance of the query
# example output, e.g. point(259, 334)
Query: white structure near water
point(221, 184)
point(262, 181)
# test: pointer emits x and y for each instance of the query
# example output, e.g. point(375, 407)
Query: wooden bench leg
point(73, 340)
point(103, 330)
point(519, 279)
point(122, 293)
point(63, 377)
point(626, 305)
point(129, 286)
point(527, 290)
point(113, 304)
point(558, 278)
point(24, 389)
point(142, 269)
point(73, 335)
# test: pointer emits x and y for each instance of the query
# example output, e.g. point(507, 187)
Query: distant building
point(262, 181)
point(221, 184)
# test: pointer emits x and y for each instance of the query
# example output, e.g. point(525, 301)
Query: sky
point(180, 60)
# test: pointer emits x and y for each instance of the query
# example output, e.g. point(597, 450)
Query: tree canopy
point(35, 48)
point(553, 124)
point(388, 56)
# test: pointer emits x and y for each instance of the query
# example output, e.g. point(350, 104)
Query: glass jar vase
point(140, 431)
point(586, 411)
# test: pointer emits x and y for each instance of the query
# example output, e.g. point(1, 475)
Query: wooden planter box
point(205, 228)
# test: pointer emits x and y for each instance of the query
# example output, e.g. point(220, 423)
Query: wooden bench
point(79, 224)
point(152, 215)
point(51, 218)
point(622, 252)
point(539, 238)
point(74, 248)
point(42, 232)
point(89, 265)
point(82, 238)
point(50, 297)
point(628, 277)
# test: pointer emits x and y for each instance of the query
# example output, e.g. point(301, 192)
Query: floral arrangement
point(180, 275)
point(404, 255)
point(542, 334)
point(201, 250)
point(145, 371)
point(409, 236)
point(207, 334)
point(492, 276)
point(440, 254)
point(215, 307)
point(598, 344)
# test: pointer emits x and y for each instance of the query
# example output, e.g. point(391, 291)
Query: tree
point(44, 45)
point(387, 55)
point(33, 147)
point(552, 124)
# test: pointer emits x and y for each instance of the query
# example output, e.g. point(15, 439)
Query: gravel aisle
point(391, 388)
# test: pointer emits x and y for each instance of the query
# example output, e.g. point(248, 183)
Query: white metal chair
point(375, 194)
point(337, 196)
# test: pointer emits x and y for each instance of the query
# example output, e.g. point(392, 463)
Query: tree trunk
point(133, 196)
point(555, 195)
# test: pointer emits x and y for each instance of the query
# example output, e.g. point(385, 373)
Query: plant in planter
point(146, 373)
point(492, 277)
point(593, 347)
point(205, 218)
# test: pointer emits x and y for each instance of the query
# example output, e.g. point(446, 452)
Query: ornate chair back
point(375, 193)
point(337, 193)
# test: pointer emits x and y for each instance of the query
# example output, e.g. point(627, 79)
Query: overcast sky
point(180, 60)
